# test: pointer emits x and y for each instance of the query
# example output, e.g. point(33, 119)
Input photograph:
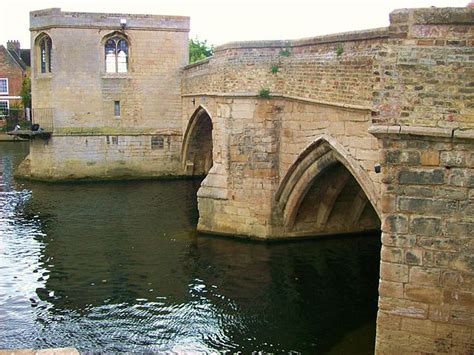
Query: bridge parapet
point(334, 69)
point(424, 75)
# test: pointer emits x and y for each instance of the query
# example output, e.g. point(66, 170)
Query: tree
point(25, 92)
point(199, 50)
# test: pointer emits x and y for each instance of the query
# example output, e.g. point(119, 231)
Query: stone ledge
point(54, 17)
point(198, 63)
point(282, 96)
point(113, 132)
point(332, 38)
point(381, 130)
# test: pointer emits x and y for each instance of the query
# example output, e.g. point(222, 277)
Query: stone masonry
point(346, 133)
point(296, 163)
point(78, 96)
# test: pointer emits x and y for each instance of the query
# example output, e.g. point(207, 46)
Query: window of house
point(116, 55)
point(157, 142)
point(4, 108)
point(117, 108)
point(45, 46)
point(3, 86)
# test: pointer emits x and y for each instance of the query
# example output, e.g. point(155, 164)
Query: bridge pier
point(427, 263)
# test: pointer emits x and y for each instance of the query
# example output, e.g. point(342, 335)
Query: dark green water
point(120, 267)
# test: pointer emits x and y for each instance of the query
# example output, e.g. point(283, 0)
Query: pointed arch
point(319, 156)
point(116, 52)
point(44, 46)
point(199, 128)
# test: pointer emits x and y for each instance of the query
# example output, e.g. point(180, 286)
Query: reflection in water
point(119, 267)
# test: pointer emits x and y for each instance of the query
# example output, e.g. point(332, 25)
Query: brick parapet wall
point(424, 74)
point(416, 72)
point(313, 69)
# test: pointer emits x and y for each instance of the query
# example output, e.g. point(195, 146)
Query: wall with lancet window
point(111, 85)
point(86, 63)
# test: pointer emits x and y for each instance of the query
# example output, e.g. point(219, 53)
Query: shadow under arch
point(320, 157)
point(196, 150)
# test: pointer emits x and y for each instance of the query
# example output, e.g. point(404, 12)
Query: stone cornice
point(283, 96)
point(363, 35)
point(387, 130)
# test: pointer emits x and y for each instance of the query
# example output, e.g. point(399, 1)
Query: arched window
point(45, 46)
point(116, 55)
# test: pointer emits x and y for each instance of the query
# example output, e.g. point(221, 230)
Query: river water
point(120, 267)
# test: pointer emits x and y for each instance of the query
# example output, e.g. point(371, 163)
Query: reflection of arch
point(320, 156)
point(196, 151)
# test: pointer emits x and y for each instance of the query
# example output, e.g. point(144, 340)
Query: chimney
point(14, 46)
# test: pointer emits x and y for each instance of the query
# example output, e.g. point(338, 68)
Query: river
point(119, 266)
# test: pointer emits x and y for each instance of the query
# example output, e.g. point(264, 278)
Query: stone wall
point(98, 157)
point(427, 267)
point(424, 95)
point(329, 69)
point(79, 96)
point(424, 74)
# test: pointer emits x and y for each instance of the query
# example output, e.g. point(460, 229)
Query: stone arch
point(116, 46)
point(196, 151)
point(44, 47)
point(321, 156)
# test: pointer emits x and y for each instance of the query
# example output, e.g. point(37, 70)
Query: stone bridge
point(363, 131)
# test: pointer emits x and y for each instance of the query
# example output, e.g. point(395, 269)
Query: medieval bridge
point(291, 135)
point(369, 130)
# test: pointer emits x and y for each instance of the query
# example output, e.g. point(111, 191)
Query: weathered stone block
point(413, 257)
point(460, 229)
point(460, 177)
point(460, 298)
point(395, 224)
point(404, 307)
point(390, 289)
point(424, 276)
point(392, 255)
point(455, 158)
point(431, 295)
point(393, 272)
point(398, 240)
point(419, 326)
point(428, 226)
point(422, 206)
point(433, 177)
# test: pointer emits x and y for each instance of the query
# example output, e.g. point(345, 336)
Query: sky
point(225, 21)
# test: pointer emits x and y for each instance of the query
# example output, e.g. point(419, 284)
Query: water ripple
point(119, 267)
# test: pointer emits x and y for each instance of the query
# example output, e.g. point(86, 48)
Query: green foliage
point(264, 93)
point(275, 68)
point(339, 49)
point(25, 92)
point(199, 50)
point(285, 52)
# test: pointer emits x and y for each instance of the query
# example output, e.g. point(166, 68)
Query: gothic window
point(45, 46)
point(116, 55)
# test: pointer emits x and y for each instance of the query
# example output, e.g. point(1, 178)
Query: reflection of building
point(13, 68)
point(108, 87)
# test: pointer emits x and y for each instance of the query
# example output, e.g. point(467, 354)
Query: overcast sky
point(228, 20)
